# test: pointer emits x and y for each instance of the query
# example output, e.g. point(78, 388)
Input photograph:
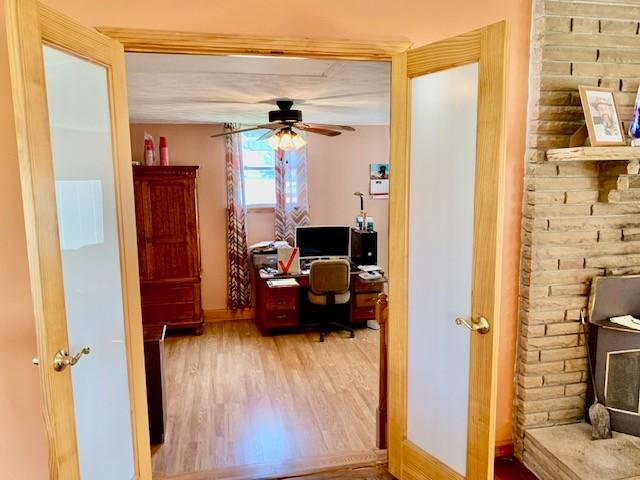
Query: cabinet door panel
point(170, 231)
point(143, 256)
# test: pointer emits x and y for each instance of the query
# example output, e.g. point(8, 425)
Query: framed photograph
point(601, 115)
point(379, 171)
point(379, 180)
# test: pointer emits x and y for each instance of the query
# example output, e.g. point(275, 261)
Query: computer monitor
point(324, 241)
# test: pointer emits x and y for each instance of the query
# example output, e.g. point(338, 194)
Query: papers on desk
point(282, 282)
point(370, 276)
point(370, 272)
point(268, 245)
point(627, 321)
point(369, 268)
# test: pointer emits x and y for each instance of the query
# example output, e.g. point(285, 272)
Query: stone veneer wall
point(570, 231)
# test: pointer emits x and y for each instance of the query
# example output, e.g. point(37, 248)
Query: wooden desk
point(279, 308)
point(156, 397)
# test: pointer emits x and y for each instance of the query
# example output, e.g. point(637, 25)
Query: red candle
point(148, 152)
point(164, 151)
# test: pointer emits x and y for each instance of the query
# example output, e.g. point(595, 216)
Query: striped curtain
point(238, 284)
point(292, 198)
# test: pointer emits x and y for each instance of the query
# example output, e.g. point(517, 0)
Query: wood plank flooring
point(236, 398)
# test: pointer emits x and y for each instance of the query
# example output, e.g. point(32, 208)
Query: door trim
point(161, 41)
point(29, 25)
point(488, 47)
point(165, 41)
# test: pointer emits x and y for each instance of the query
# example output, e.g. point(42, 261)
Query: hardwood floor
point(236, 398)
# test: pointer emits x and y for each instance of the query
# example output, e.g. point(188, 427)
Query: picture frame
point(601, 116)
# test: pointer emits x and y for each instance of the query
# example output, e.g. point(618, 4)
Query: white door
point(448, 153)
point(71, 119)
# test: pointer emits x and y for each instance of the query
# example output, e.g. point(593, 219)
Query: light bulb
point(274, 141)
point(286, 141)
point(298, 141)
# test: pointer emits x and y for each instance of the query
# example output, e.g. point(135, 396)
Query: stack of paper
point(369, 268)
point(282, 282)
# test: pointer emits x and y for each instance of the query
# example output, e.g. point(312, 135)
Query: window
point(259, 170)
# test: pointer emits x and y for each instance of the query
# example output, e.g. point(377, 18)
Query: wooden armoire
point(168, 246)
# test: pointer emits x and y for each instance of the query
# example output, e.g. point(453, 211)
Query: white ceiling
point(168, 88)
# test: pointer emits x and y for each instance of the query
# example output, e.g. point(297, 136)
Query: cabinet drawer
point(283, 318)
point(361, 286)
point(281, 298)
point(168, 312)
point(158, 295)
point(366, 300)
point(363, 313)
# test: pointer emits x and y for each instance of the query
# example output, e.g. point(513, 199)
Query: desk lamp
point(363, 214)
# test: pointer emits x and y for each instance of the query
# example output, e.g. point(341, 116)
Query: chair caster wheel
point(353, 335)
point(322, 338)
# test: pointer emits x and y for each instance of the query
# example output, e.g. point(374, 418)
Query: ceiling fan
point(283, 125)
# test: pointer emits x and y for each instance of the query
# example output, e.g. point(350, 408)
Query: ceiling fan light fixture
point(298, 141)
point(286, 141)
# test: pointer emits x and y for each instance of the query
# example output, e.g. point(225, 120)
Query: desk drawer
point(366, 300)
point(362, 286)
point(281, 298)
point(279, 319)
point(363, 313)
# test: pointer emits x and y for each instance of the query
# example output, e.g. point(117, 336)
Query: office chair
point(329, 286)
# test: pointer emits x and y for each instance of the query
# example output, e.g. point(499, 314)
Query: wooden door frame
point(487, 46)
point(189, 43)
point(31, 24)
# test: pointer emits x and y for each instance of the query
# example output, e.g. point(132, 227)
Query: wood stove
point(615, 349)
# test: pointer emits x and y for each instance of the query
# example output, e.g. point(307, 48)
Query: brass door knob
point(62, 358)
point(480, 324)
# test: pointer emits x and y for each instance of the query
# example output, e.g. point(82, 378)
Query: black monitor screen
point(330, 241)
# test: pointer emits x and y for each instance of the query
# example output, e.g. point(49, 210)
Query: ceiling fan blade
point(346, 128)
point(270, 126)
point(321, 131)
point(269, 134)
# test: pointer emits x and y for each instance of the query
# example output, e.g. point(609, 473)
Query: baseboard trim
point(226, 314)
point(290, 468)
point(504, 449)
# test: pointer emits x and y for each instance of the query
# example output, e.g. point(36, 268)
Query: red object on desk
point(285, 268)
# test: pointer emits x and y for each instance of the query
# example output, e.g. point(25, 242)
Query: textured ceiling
point(207, 89)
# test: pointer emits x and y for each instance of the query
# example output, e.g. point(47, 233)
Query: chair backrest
point(329, 276)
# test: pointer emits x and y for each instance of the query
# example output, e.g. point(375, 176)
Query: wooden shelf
point(593, 154)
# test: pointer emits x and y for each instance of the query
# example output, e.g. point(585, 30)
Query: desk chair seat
point(329, 286)
point(341, 298)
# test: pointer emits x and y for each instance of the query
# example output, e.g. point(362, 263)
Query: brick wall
point(575, 224)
